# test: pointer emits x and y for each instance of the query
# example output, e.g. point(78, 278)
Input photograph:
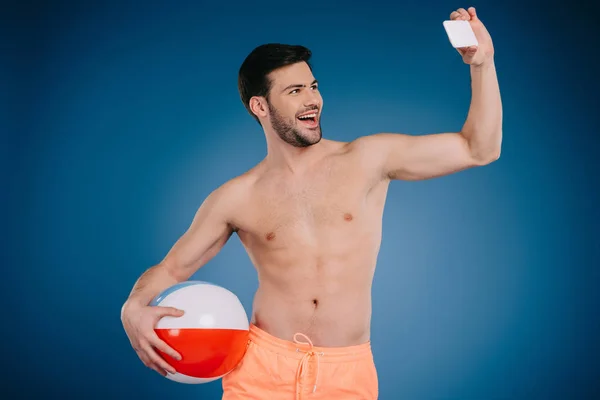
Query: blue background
point(120, 118)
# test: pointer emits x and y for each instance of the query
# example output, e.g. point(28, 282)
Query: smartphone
point(460, 33)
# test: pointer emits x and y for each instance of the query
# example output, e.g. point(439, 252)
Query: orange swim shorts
point(274, 369)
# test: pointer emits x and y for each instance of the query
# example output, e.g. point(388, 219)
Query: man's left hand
point(484, 51)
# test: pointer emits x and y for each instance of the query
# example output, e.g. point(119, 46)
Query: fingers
point(465, 15)
point(455, 15)
point(150, 364)
point(164, 347)
point(467, 52)
point(168, 311)
point(147, 344)
point(472, 12)
point(157, 363)
point(462, 14)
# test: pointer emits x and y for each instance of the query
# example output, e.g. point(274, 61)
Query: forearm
point(150, 283)
point(483, 126)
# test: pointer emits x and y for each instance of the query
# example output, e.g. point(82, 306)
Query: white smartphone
point(460, 33)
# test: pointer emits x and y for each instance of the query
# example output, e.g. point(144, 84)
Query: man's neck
point(296, 160)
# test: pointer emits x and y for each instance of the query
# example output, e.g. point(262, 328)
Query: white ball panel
point(205, 306)
point(181, 378)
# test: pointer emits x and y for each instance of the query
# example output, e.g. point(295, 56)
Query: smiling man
point(304, 129)
point(310, 217)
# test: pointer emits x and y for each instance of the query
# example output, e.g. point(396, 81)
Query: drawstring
point(303, 363)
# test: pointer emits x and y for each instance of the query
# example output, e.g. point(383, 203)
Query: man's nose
point(311, 99)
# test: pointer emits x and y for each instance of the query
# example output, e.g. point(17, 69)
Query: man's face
point(295, 105)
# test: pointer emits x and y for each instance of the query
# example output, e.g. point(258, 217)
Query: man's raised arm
point(408, 157)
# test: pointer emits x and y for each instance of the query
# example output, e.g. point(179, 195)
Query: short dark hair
point(252, 77)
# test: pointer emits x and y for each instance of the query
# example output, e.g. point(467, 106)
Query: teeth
point(308, 116)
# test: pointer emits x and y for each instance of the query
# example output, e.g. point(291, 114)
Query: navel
point(348, 217)
point(270, 236)
point(315, 302)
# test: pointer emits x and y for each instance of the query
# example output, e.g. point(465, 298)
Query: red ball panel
point(205, 353)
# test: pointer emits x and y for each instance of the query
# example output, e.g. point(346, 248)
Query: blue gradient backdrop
point(122, 117)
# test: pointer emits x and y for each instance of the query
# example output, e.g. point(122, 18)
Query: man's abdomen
point(331, 314)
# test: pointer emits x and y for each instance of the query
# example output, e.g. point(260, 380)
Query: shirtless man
point(310, 217)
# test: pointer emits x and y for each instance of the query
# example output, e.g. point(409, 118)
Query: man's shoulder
point(226, 200)
point(367, 143)
point(239, 183)
point(341, 147)
point(365, 153)
point(362, 148)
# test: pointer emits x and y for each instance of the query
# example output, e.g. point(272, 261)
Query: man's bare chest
point(309, 213)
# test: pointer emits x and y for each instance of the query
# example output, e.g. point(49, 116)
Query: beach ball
point(211, 336)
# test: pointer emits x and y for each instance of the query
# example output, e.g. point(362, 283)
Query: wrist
point(487, 62)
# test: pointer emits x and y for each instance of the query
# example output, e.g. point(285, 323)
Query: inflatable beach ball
point(211, 336)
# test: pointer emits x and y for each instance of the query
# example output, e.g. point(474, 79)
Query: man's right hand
point(139, 323)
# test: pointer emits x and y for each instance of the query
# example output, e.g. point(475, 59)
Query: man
point(309, 215)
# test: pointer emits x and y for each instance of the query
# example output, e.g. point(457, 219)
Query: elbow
point(488, 157)
point(488, 153)
point(494, 155)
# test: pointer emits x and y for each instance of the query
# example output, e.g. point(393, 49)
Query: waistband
point(297, 349)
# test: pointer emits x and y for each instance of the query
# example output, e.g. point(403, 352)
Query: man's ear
point(259, 106)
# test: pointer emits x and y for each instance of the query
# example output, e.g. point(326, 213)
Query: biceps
point(426, 156)
point(205, 237)
point(198, 245)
